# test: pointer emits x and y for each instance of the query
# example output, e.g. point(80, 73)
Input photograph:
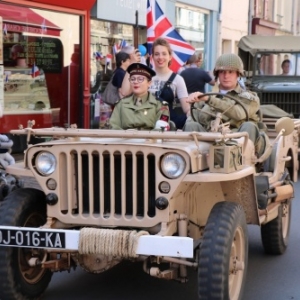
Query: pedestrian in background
point(135, 57)
point(167, 85)
point(122, 62)
point(194, 77)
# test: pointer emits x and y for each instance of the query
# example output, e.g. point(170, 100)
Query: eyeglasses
point(138, 79)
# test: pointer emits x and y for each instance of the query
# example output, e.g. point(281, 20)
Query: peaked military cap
point(140, 69)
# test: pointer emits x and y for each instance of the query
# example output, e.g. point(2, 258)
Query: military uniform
point(232, 113)
point(129, 114)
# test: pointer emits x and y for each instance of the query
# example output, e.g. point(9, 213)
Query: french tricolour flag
point(108, 58)
point(123, 44)
point(98, 55)
point(158, 25)
point(116, 49)
point(35, 71)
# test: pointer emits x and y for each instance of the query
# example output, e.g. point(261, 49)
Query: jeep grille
point(107, 185)
point(289, 102)
point(114, 176)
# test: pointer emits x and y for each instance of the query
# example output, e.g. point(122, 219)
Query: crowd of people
point(148, 93)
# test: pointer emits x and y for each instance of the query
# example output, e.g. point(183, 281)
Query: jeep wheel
point(275, 234)
point(23, 207)
point(223, 255)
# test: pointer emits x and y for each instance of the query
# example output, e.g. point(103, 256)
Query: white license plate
point(32, 239)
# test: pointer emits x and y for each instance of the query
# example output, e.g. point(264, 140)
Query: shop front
point(44, 64)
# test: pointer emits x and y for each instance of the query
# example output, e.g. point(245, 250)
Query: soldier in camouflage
point(228, 69)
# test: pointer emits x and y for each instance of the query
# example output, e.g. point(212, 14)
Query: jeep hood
point(280, 85)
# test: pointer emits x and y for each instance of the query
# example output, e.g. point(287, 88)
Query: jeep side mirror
point(284, 126)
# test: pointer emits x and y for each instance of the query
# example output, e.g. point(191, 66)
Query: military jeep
point(172, 200)
point(263, 57)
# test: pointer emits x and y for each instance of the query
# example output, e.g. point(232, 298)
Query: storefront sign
point(46, 53)
point(125, 9)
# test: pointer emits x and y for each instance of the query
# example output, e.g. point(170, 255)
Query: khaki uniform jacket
point(234, 113)
point(127, 115)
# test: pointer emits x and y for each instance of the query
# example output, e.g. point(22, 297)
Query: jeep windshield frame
point(272, 64)
point(252, 48)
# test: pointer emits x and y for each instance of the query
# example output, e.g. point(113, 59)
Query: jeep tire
point(25, 208)
point(275, 234)
point(223, 255)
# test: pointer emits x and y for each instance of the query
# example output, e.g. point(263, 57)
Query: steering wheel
point(222, 95)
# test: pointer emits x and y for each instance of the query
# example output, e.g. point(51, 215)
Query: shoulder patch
point(247, 95)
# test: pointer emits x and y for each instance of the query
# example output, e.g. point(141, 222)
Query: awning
point(74, 4)
point(259, 43)
point(23, 19)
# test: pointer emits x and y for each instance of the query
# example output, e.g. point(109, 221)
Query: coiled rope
point(109, 242)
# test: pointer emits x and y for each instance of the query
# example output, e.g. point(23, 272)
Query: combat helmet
point(231, 62)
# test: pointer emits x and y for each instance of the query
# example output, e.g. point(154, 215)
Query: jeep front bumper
point(61, 239)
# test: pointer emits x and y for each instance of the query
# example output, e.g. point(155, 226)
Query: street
point(268, 277)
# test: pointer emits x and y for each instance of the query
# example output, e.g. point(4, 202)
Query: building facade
point(195, 20)
point(263, 17)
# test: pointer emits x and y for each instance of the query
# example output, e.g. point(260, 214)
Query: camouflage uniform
point(232, 111)
point(128, 115)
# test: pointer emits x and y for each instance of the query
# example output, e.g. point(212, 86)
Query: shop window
point(191, 24)
point(41, 67)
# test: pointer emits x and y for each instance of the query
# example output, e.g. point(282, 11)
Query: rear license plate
point(34, 239)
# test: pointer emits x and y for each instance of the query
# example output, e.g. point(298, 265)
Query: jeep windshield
point(267, 55)
point(276, 64)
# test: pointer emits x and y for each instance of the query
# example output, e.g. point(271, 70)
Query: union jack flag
point(98, 55)
point(117, 48)
point(5, 29)
point(35, 71)
point(158, 25)
point(123, 44)
point(44, 27)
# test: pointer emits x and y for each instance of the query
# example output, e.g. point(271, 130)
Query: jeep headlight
point(45, 163)
point(172, 165)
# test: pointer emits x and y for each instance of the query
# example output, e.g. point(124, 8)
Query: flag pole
point(136, 30)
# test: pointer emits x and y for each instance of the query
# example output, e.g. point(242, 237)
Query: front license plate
point(34, 239)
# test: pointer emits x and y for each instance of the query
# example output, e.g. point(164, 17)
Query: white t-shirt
point(178, 85)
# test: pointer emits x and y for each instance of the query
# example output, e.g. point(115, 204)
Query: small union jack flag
point(108, 58)
point(123, 44)
point(35, 71)
point(158, 25)
point(5, 29)
point(116, 49)
point(98, 55)
point(43, 26)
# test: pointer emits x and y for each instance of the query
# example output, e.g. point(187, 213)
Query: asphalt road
point(268, 277)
